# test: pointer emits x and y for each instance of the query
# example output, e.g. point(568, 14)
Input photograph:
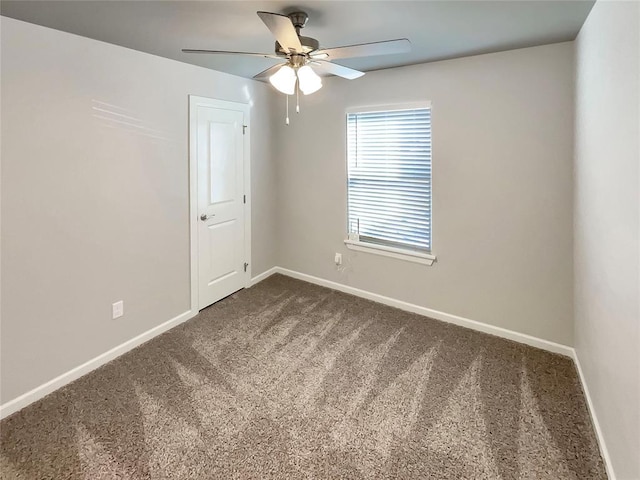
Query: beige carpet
point(290, 380)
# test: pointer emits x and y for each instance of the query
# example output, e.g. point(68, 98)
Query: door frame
point(194, 102)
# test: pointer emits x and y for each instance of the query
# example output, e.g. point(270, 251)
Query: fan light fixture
point(308, 80)
point(284, 80)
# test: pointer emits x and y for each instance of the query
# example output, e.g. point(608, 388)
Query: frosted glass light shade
point(309, 80)
point(284, 80)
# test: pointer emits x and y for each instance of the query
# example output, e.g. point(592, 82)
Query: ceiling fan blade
point(284, 31)
point(335, 69)
point(225, 52)
point(401, 45)
point(268, 72)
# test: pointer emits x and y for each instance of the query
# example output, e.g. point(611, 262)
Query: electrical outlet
point(117, 309)
point(338, 259)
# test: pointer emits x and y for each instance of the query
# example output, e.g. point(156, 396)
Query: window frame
point(352, 241)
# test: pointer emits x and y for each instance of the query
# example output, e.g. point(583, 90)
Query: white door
point(220, 201)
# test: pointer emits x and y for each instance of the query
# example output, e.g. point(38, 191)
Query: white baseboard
point(262, 276)
point(428, 312)
point(37, 393)
point(594, 419)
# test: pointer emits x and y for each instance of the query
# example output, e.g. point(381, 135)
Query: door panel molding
point(194, 102)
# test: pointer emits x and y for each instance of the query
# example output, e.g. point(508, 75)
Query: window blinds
point(389, 177)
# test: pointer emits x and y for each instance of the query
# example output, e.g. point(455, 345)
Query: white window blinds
point(389, 177)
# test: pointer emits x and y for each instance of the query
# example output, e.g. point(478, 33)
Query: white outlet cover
point(117, 309)
point(338, 259)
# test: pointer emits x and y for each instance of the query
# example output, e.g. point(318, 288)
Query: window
point(389, 180)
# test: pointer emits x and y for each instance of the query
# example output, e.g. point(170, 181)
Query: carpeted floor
point(290, 380)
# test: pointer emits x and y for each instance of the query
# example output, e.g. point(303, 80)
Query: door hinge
point(244, 129)
point(244, 199)
point(245, 266)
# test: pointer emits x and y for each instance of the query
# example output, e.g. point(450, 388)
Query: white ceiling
point(437, 29)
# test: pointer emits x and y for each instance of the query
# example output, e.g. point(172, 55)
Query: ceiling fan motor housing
point(308, 45)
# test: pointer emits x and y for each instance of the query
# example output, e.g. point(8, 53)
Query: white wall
point(607, 224)
point(95, 195)
point(502, 162)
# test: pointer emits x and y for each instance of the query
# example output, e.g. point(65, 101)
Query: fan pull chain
point(286, 120)
point(298, 97)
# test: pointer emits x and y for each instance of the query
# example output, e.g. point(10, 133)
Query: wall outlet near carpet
point(117, 309)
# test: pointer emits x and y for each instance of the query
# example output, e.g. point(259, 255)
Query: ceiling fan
point(302, 53)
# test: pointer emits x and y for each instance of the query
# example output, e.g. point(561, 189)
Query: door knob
point(205, 217)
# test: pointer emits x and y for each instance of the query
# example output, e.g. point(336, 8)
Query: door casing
point(194, 102)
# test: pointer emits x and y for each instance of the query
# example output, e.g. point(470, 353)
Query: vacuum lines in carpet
point(288, 380)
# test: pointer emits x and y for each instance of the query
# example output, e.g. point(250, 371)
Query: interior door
point(220, 204)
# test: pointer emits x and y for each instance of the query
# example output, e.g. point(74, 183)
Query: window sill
point(393, 252)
